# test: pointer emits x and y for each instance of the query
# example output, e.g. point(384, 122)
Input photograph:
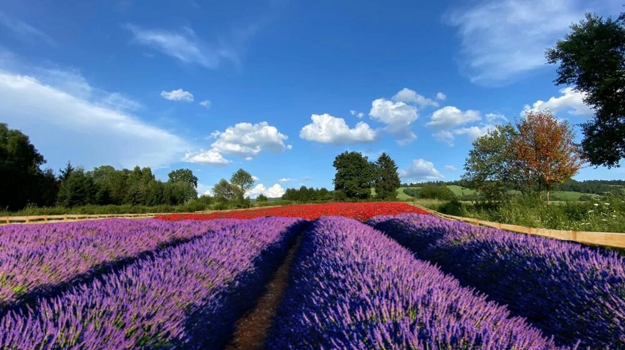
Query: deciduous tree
point(354, 175)
point(592, 59)
point(545, 150)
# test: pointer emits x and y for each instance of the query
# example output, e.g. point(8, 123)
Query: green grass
point(400, 194)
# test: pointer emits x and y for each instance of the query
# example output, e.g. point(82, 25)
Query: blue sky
point(279, 87)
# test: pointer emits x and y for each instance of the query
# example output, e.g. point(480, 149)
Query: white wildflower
point(606, 203)
point(596, 204)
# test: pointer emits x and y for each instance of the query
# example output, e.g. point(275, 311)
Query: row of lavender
point(185, 297)
point(569, 291)
point(353, 288)
point(36, 257)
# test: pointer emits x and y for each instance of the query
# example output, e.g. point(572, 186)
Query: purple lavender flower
point(352, 287)
point(569, 291)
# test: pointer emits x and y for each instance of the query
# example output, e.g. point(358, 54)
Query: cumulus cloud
point(410, 96)
point(177, 95)
point(248, 140)
point(289, 146)
point(286, 179)
point(420, 170)
point(244, 140)
point(206, 104)
point(69, 121)
point(254, 178)
point(569, 100)
point(472, 133)
point(450, 168)
point(203, 190)
point(449, 117)
point(398, 117)
point(503, 39)
point(210, 157)
point(441, 96)
point(332, 130)
point(275, 191)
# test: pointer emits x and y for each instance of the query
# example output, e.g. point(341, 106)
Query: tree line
point(23, 182)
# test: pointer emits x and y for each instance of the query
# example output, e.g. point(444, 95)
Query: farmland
point(361, 275)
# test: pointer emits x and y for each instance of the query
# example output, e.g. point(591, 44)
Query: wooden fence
point(69, 217)
point(608, 239)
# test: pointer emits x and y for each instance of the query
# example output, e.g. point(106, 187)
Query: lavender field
point(409, 281)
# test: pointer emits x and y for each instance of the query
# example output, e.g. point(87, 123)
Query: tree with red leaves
point(546, 151)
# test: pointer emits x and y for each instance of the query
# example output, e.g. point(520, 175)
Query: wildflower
point(604, 220)
point(596, 204)
point(591, 211)
point(606, 203)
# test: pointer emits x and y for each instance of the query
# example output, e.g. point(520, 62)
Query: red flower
point(360, 211)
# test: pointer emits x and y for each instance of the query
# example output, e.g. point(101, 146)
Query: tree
point(21, 179)
point(183, 175)
point(592, 58)
point(491, 168)
point(546, 151)
point(66, 172)
point(354, 175)
point(243, 179)
point(223, 191)
point(77, 189)
point(261, 198)
point(387, 180)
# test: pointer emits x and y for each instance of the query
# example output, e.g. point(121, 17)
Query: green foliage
point(77, 189)
point(243, 179)
point(223, 191)
point(605, 214)
point(307, 194)
point(22, 182)
point(411, 191)
point(183, 175)
point(354, 175)
point(490, 168)
point(591, 59)
point(262, 198)
point(387, 181)
point(431, 191)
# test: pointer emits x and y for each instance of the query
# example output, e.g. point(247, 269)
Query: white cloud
point(503, 39)
point(410, 96)
point(569, 100)
point(332, 130)
point(493, 117)
point(450, 168)
point(184, 45)
point(254, 178)
point(420, 170)
point(444, 136)
point(244, 140)
point(286, 179)
point(203, 190)
point(441, 96)
point(79, 127)
point(474, 132)
point(356, 114)
point(177, 95)
point(25, 31)
point(449, 117)
point(398, 117)
point(210, 157)
point(206, 104)
point(275, 191)
point(119, 101)
point(248, 140)
point(289, 146)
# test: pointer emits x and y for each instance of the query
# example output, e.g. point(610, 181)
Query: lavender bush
point(35, 257)
point(569, 291)
point(185, 297)
point(351, 287)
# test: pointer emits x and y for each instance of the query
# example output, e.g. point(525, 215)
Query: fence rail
point(69, 217)
point(608, 239)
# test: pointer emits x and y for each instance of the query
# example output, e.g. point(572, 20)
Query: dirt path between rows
point(251, 331)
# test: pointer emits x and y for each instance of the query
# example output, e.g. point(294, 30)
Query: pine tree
point(387, 180)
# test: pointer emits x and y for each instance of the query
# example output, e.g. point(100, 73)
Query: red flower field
point(360, 211)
